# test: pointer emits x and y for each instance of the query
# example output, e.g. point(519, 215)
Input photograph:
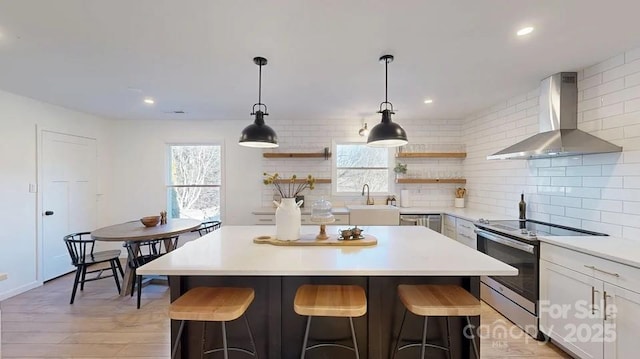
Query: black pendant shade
point(387, 133)
point(258, 134)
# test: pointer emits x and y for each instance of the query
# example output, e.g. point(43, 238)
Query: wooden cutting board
point(309, 239)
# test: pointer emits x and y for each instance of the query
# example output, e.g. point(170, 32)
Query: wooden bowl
point(150, 221)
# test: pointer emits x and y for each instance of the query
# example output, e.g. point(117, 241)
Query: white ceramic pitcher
point(288, 219)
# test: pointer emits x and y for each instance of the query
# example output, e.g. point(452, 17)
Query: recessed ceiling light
point(149, 101)
point(525, 31)
point(428, 101)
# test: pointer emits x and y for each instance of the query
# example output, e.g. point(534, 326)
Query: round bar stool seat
point(343, 301)
point(431, 300)
point(213, 304)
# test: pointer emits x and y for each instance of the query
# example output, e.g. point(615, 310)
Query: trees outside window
point(194, 181)
point(357, 164)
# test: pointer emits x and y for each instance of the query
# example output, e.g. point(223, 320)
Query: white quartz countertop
point(307, 210)
point(464, 213)
point(619, 250)
point(401, 251)
point(3, 276)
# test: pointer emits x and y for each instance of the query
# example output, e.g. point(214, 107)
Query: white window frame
point(334, 171)
point(167, 172)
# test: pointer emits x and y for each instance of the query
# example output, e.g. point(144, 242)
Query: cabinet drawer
point(608, 271)
point(264, 219)
point(449, 232)
point(465, 227)
point(450, 221)
point(469, 241)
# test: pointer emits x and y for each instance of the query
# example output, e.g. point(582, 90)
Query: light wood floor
point(42, 324)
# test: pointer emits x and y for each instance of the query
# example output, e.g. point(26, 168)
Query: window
point(357, 164)
point(194, 181)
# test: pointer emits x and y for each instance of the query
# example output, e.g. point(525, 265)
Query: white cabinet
point(460, 230)
point(589, 305)
point(270, 219)
point(623, 313)
point(568, 309)
point(465, 233)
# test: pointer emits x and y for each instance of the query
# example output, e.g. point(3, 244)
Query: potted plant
point(400, 169)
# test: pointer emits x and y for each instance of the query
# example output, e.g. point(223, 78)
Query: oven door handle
point(506, 241)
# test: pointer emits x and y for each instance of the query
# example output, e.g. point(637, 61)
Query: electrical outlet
point(33, 188)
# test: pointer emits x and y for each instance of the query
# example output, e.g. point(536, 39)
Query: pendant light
point(258, 134)
point(387, 133)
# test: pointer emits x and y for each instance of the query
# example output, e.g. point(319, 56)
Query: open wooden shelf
point(431, 155)
point(295, 155)
point(303, 180)
point(431, 180)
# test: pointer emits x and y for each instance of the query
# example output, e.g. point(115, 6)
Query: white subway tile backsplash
point(602, 205)
point(623, 219)
point(566, 181)
point(602, 112)
point(590, 82)
point(606, 181)
point(632, 80)
point(602, 158)
point(566, 161)
point(605, 88)
point(620, 96)
point(604, 65)
point(552, 171)
point(632, 106)
point(621, 71)
point(632, 181)
point(582, 192)
point(631, 207)
point(581, 213)
point(595, 170)
point(610, 229)
point(566, 201)
point(621, 194)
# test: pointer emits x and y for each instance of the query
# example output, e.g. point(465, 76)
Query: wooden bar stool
point(209, 304)
point(436, 301)
point(343, 301)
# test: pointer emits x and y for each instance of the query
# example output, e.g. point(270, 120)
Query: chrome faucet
point(369, 199)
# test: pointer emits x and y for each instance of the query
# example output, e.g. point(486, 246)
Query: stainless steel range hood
point(558, 121)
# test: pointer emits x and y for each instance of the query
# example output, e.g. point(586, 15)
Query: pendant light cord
point(260, 84)
point(386, 81)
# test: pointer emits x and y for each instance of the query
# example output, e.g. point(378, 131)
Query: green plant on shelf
point(400, 168)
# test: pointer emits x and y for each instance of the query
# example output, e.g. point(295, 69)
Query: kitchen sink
point(373, 215)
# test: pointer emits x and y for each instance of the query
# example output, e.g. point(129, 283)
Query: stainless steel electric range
point(516, 243)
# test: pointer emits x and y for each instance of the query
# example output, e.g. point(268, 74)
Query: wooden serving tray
point(309, 239)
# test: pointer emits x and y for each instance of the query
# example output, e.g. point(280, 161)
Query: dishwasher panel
point(432, 221)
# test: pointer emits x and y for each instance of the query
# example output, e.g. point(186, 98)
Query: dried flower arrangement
point(289, 188)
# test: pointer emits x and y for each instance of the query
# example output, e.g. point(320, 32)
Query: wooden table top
point(136, 231)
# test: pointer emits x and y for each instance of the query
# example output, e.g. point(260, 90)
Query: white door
point(623, 319)
point(570, 310)
point(68, 196)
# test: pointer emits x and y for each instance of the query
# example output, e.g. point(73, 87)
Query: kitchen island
point(403, 255)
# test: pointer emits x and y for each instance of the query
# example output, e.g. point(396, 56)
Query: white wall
point(596, 192)
point(306, 136)
point(19, 210)
point(139, 166)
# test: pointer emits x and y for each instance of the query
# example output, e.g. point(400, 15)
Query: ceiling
point(104, 57)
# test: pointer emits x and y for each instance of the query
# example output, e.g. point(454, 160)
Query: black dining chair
point(207, 227)
point(146, 252)
point(80, 247)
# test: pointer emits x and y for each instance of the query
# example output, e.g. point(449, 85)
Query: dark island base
point(278, 330)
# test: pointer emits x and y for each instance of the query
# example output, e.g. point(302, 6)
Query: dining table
point(134, 232)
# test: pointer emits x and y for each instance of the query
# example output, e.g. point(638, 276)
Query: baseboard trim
point(15, 291)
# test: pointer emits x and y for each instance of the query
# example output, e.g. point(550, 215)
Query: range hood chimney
point(558, 120)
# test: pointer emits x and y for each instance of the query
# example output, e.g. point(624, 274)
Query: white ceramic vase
point(459, 203)
point(288, 219)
